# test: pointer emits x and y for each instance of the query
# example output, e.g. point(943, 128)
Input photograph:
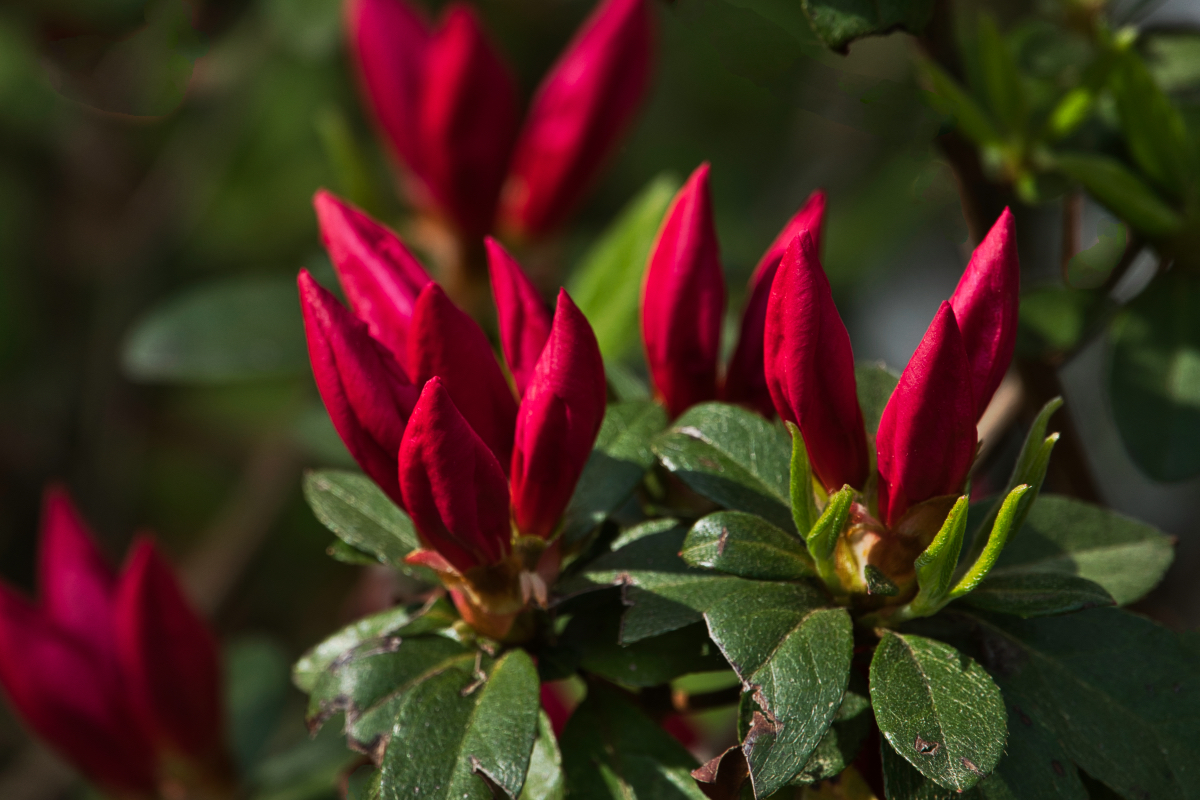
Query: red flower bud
point(169, 658)
point(468, 118)
point(558, 422)
point(986, 305)
point(380, 277)
point(683, 300)
point(389, 37)
point(926, 440)
point(810, 368)
point(745, 382)
point(580, 110)
point(453, 486)
point(523, 317)
point(366, 392)
point(446, 343)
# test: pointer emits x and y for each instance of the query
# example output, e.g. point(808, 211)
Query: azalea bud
point(986, 306)
point(388, 39)
point(453, 486)
point(683, 300)
point(524, 320)
point(810, 368)
point(366, 392)
point(926, 440)
point(745, 382)
point(169, 658)
point(469, 117)
point(380, 277)
point(579, 112)
point(448, 344)
point(58, 660)
point(558, 422)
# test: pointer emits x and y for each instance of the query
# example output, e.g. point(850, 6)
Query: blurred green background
point(157, 161)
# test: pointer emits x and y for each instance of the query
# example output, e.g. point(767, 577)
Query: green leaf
point(233, 330)
point(405, 620)
point(256, 692)
point(354, 508)
point(1122, 192)
point(839, 22)
point(465, 740)
point(616, 466)
point(1067, 536)
point(804, 500)
point(611, 751)
point(1154, 129)
point(936, 565)
point(823, 538)
point(1090, 268)
point(1154, 377)
point(369, 684)
point(742, 544)
point(733, 457)
point(799, 684)
point(607, 285)
point(841, 743)
point(545, 780)
point(1001, 78)
point(349, 554)
point(875, 386)
point(1119, 694)
point(1055, 320)
point(951, 99)
point(1006, 523)
point(938, 708)
point(1038, 594)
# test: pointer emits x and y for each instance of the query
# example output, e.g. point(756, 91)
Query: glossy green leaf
point(545, 780)
point(234, 330)
point(611, 751)
point(1154, 130)
point(1007, 522)
point(615, 468)
point(1122, 192)
point(844, 738)
point(1038, 594)
point(354, 508)
point(742, 544)
point(406, 620)
point(1119, 694)
point(938, 708)
point(732, 456)
point(804, 501)
point(823, 538)
point(465, 736)
point(936, 565)
point(1154, 377)
point(1067, 536)
point(607, 286)
point(839, 22)
point(950, 98)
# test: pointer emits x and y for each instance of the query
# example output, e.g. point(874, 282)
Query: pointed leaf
point(804, 501)
point(1123, 192)
point(936, 566)
point(1005, 526)
point(545, 780)
point(938, 708)
point(354, 508)
point(1038, 594)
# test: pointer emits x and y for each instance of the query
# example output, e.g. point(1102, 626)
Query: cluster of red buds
point(116, 672)
point(484, 467)
point(794, 358)
point(448, 105)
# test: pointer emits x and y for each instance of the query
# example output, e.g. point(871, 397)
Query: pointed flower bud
point(745, 382)
point(523, 317)
point(986, 305)
point(926, 440)
point(810, 368)
point(448, 344)
point(380, 277)
point(579, 112)
point(366, 392)
point(453, 486)
point(683, 300)
point(388, 39)
point(169, 658)
point(558, 422)
point(469, 117)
